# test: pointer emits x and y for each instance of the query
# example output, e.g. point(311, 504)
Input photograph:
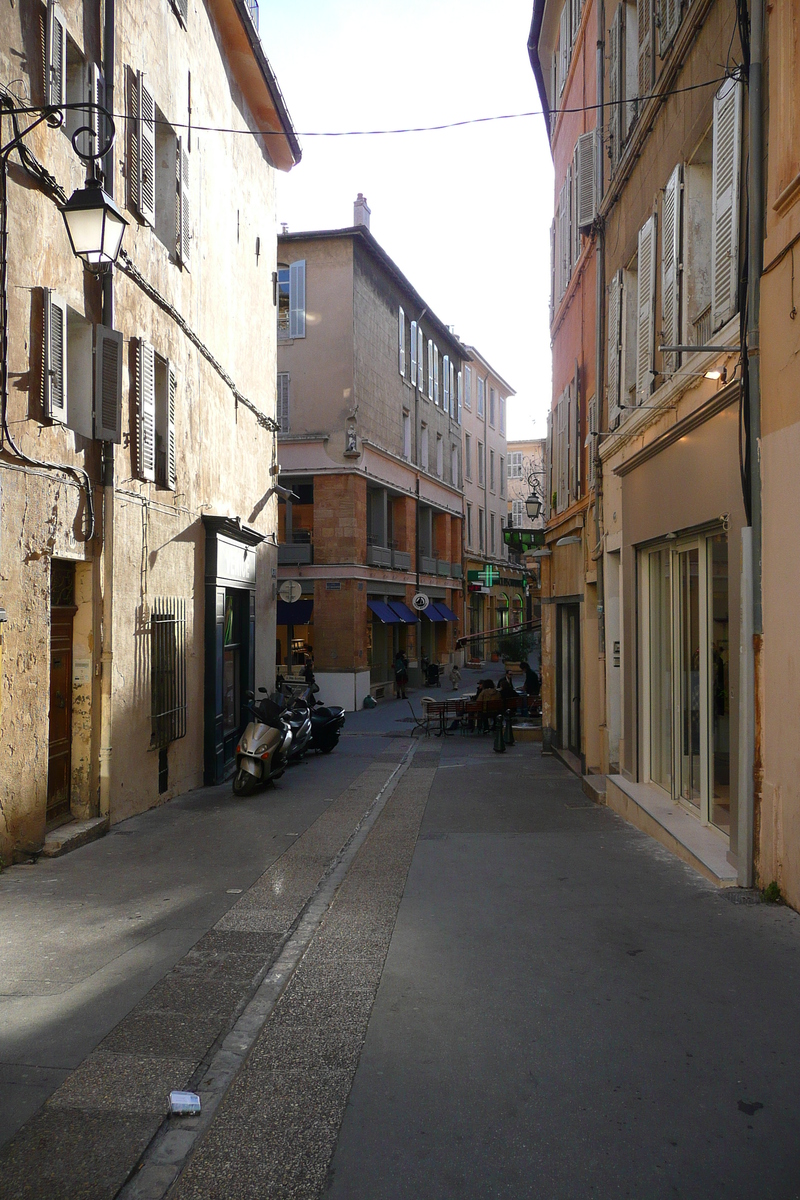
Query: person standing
point(531, 683)
point(400, 675)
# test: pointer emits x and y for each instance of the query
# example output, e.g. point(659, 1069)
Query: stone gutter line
point(176, 1139)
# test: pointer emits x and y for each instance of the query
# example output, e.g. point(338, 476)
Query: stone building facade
point(370, 449)
point(138, 531)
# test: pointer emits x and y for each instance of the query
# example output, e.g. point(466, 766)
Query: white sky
point(464, 213)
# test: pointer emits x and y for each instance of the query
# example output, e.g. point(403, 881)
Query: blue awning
point(294, 614)
point(403, 612)
point(384, 613)
point(449, 615)
point(433, 612)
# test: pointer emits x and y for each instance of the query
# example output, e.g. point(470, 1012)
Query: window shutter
point(146, 147)
point(670, 266)
point(420, 355)
point(413, 345)
point(282, 414)
point(96, 93)
point(552, 270)
point(645, 309)
point(615, 92)
point(182, 10)
point(56, 82)
point(452, 388)
point(446, 383)
point(575, 20)
point(460, 400)
point(725, 202)
point(586, 204)
point(669, 18)
point(107, 384)
point(614, 348)
point(172, 454)
point(430, 369)
point(401, 342)
point(549, 466)
point(563, 48)
point(146, 416)
point(644, 20)
point(183, 223)
point(436, 374)
point(575, 435)
point(563, 450)
point(297, 299)
point(590, 441)
point(573, 209)
point(55, 357)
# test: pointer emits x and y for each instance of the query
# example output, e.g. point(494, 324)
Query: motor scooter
point(264, 747)
point(326, 721)
point(297, 716)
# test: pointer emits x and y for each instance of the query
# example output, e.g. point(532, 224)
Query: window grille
point(167, 670)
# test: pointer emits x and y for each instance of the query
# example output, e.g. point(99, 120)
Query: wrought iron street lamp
point(533, 506)
point(94, 225)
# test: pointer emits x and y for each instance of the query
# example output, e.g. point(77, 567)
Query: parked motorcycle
point(297, 716)
point(326, 721)
point(264, 748)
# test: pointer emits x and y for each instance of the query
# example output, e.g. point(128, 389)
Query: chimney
point(361, 211)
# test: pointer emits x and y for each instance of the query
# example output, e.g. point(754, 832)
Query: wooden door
point(60, 734)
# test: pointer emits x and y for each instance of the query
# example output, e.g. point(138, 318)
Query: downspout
point(750, 716)
point(107, 645)
point(599, 335)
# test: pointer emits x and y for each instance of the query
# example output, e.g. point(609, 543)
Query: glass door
point(689, 767)
point(719, 690)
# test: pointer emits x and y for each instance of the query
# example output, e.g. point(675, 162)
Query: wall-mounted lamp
point(94, 225)
point(571, 539)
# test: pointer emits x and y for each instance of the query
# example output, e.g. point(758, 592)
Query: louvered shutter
point(575, 20)
point(430, 368)
point(282, 414)
point(182, 9)
point(413, 345)
point(669, 18)
point(401, 342)
point(576, 440)
point(644, 20)
point(96, 91)
point(585, 186)
point(172, 455)
point(645, 309)
point(563, 48)
point(568, 256)
point(670, 266)
point(107, 384)
point(183, 226)
point(435, 374)
point(446, 383)
point(146, 415)
point(297, 299)
point(614, 348)
point(56, 82)
point(55, 357)
point(548, 467)
point(590, 441)
point(573, 208)
point(563, 450)
point(460, 397)
point(572, 437)
point(452, 388)
point(146, 156)
point(615, 94)
point(552, 273)
point(725, 203)
point(420, 356)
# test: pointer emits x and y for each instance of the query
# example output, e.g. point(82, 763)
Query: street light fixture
point(94, 225)
point(533, 506)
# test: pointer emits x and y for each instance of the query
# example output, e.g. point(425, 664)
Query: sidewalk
point(511, 993)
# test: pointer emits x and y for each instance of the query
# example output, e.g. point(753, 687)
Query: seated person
point(507, 690)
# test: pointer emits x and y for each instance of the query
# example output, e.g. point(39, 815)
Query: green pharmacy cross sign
point(489, 575)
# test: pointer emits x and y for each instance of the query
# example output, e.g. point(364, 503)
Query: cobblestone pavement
point(506, 992)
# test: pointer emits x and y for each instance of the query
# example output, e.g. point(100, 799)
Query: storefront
point(230, 638)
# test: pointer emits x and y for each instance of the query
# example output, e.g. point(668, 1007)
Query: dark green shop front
point(230, 639)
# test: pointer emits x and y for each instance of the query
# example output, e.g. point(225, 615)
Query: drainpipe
point(599, 335)
point(750, 717)
point(107, 648)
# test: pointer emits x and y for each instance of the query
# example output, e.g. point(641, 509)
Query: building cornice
point(723, 399)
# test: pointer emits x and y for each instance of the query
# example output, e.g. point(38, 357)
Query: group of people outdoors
point(486, 690)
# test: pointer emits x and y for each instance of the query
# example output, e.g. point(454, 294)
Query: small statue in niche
point(351, 446)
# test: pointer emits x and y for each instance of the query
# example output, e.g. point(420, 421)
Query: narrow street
point(504, 991)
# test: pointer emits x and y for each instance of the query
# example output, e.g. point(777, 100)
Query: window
point(82, 378)
point(491, 471)
point(420, 367)
point(481, 531)
point(468, 388)
point(645, 310)
point(423, 458)
point(435, 374)
point(446, 383)
point(725, 202)
point(167, 671)
point(439, 456)
point(591, 441)
point(460, 396)
point(156, 387)
point(518, 513)
point(282, 414)
point(469, 524)
point(628, 71)
point(430, 369)
point(481, 396)
point(291, 299)
point(481, 465)
point(515, 464)
point(492, 405)
point(181, 10)
point(467, 456)
point(401, 342)
point(412, 378)
point(160, 179)
point(453, 397)
point(502, 403)
point(492, 535)
point(696, 226)
point(454, 466)
point(502, 476)
point(406, 435)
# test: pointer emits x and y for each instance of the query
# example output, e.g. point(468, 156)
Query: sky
point(465, 213)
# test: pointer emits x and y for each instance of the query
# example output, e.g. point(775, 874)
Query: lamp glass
point(533, 506)
point(94, 224)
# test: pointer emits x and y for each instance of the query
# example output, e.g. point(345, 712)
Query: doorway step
point(651, 810)
point(595, 787)
point(72, 835)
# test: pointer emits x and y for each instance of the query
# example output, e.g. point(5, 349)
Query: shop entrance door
point(59, 765)
point(568, 701)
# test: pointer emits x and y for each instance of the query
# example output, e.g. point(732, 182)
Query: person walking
point(400, 675)
point(455, 677)
point(531, 683)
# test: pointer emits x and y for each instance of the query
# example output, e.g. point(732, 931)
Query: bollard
point(499, 744)
point(509, 729)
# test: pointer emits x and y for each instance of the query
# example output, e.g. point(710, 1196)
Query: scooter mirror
point(250, 695)
point(264, 690)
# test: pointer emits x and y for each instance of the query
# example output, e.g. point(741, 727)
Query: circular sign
point(290, 591)
point(420, 602)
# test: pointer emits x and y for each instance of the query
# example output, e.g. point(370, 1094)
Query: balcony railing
point(298, 550)
point(442, 566)
point(401, 560)
point(456, 571)
point(379, 556)
point(427, 565)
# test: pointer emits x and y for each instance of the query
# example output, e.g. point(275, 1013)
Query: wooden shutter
point(670, 266)
point(55, 357)
point(563, 450)
point(146, 414)
point(446, 383)
point(430, 368)
point(552, 273)
point(297, 299)
point(589, 442)
point(413, 344)
point(183, 225)
point(669, 18)
point(644, 20)
point(615, 92)
point(435, 374)
point(585, 187)
point(563, 48)
point(146, 151)
point(452, 388)
point(726, 156)
point(575, 249)
point(460, 397)
point(614, 348)
point(575, 434)
point(401, 342)
point(548, 467)
point(182, 11)
point(645, 309)
point(96, 91)
point(108, 349)
point(172, 456)
point(282, 414)
point(56, 81)
point(420, 356)
point(575, 20)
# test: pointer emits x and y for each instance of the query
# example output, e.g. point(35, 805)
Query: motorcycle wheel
point(327, 747)
point(244, 783)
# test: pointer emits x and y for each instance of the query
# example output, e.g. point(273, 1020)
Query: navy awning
point(433, 612)
point(403, 612)
point(294, 614)
point(383, 612)
point(449, 615)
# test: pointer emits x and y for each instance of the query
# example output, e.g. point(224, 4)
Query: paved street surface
point(414, 969)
